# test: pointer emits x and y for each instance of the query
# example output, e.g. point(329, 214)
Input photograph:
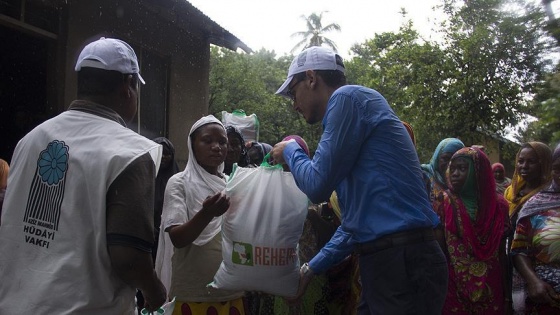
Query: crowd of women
point(501, 236)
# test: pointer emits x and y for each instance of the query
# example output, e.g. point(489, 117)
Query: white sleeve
point(174, 203)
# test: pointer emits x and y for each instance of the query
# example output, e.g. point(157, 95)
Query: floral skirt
point(233, 307)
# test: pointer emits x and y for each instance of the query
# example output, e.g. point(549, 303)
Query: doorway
point(23, 87)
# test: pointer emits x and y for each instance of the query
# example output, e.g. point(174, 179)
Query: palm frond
point(298, 45)
point(313, 36)
point(330, 43)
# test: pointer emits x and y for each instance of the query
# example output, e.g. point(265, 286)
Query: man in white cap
point(77, 223)
point(367, 156)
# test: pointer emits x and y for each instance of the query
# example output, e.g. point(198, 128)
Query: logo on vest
point(42, 212)
point(248, 255)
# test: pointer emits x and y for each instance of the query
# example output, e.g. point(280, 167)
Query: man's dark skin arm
point(136, 269)
point(130, 230)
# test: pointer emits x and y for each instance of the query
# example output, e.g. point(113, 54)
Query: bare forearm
point(133, 266)
point(184, 234)
point(524, 266)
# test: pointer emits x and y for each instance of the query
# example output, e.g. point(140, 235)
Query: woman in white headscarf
point(193, 205)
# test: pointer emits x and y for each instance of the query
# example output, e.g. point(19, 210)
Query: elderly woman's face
point(499, 174)
point(234, 149)
point(255, 155)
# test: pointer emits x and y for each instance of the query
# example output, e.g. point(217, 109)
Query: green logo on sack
point(242, 254)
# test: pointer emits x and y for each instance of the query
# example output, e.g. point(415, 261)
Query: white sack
point(261, 231)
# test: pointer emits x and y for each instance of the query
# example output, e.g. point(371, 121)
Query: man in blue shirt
point(367, 156)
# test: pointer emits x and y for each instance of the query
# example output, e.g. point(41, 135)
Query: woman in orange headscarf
point(532, 172)
point(4, 169)
point(534, 249)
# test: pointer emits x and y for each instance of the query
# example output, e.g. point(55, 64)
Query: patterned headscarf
point(448, 145)
point(480, 180)
point(517, 182)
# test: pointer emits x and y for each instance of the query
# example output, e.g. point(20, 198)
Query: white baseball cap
point(312, 58)
point(109, 54)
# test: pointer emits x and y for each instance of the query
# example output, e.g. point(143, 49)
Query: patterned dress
point(516, 200)
point(537, 236)
point(473, 241)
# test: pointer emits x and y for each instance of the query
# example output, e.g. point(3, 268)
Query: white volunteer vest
point(53, 251)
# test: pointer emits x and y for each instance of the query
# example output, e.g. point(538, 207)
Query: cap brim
point(283, 90)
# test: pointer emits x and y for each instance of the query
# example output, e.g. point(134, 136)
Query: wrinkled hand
point(216, 205)
point(542, 292)
point(277, 152)
point(155, 297)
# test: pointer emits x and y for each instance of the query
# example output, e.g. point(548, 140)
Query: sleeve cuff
point(290, 148)
point(319, 264)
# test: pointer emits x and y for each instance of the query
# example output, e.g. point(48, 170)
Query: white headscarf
point(197, 185)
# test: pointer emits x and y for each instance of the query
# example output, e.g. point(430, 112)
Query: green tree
point(314, 35)
point(496, 51)
point(546, 105)
point(473, 83)
point(248, 82)
point(409, 73)
point(547, 108)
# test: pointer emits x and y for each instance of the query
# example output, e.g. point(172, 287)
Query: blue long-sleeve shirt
point(366, 154)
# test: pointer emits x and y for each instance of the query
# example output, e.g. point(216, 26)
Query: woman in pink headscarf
point(474, 222)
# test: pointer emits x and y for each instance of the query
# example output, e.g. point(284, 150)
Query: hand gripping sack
point(260, 232)
point(247, 125)
point(166, 308)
